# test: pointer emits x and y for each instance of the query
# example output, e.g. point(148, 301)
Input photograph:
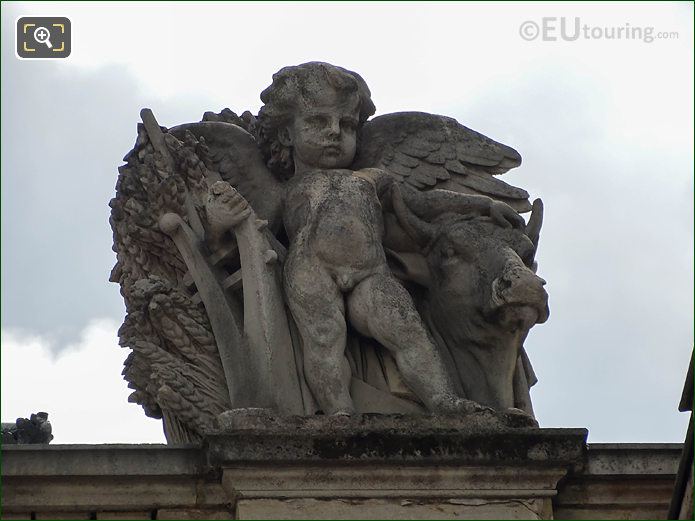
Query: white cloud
point(423, 56)
point(81, 389)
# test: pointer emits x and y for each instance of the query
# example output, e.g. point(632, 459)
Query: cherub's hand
point(225, 207)
point(505, 215)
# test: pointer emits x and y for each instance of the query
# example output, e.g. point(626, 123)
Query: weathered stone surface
point(686, 507)
point(124, 515)
point(389, 509)
point(479, 465)
point(620, 511)
point(35, 429)
point(103, 477)
point(109, 460)
point(624, 459)
point(423, 484)
point(387, 274)
point(62, 515)
point(485, 437)
point(93, 493)
point(619, 481)
point(682, 501)
point(193, 513)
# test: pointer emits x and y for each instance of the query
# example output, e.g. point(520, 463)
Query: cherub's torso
point(335, 217)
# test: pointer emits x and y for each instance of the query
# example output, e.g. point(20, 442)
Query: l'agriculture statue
point(311, 260)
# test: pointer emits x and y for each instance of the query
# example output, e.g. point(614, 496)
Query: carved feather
point(430, 151)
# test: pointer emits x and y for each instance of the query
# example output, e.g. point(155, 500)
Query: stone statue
point(310, 260)
point(35, 429)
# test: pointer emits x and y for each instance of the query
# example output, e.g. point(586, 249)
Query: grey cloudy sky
point(605, 128)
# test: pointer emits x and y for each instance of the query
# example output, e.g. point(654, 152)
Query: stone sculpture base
point(364, 467)
point(480, 466)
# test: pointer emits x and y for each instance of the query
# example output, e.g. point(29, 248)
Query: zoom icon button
point(43, 37)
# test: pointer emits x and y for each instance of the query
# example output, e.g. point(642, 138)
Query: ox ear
point(533, 228)
point(409, 266)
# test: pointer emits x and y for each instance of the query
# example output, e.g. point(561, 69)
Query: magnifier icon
point(43, 35)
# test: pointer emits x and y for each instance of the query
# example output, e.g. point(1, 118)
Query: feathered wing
point(429, 151)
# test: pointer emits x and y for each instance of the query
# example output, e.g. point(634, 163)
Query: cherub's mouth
point(332, 150)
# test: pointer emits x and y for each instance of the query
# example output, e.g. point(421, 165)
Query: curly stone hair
point(281, 98)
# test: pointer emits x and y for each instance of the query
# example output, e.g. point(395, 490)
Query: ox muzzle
point(518, 299)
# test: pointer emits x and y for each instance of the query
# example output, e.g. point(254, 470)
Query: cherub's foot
point(225, 208)
point(455, 405)
point(337, 410)
point(521, 417)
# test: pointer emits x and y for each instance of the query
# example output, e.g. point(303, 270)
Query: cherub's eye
point(349, 124)
point(448, 252)
point(318, 120)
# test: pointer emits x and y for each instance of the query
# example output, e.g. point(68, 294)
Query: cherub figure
point(336, 271)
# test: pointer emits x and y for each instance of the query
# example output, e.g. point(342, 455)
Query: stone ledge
point(101, 460)
point(485, 438)
point(620, 481)
point(390, 509)
point(445, 467)
point(474, 463)
point(372, 480)
point(622, 459)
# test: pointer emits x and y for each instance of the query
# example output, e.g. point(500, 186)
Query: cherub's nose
point(334, 127)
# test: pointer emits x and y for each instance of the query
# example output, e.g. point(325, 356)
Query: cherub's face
point(323, 133)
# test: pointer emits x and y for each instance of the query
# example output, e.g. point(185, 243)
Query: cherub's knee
point(327, 333)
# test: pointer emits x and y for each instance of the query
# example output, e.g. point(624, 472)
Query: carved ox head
point(482, 295)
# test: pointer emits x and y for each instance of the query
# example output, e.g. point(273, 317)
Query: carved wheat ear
point(422, 232)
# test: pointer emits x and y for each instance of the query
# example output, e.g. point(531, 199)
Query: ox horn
point(421, 232)
point(533, 228)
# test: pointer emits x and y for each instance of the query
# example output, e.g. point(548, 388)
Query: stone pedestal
point(363, 467)
point(481, 466)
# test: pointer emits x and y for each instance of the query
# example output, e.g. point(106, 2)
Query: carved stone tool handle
point(154, 132)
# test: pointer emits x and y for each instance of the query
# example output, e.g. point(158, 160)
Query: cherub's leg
point(381, 308)
point(318, 309)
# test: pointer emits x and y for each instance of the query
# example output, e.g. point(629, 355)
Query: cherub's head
point(311, 117)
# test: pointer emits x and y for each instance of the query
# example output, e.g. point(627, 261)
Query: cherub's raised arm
point(381, 180)
point(433, 203)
